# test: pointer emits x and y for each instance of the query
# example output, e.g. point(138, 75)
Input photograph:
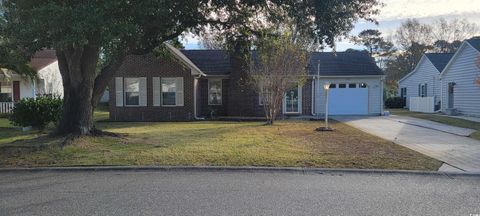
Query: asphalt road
point(236, 193)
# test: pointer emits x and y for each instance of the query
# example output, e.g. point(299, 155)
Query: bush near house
point(36, 112)
point(395, 102)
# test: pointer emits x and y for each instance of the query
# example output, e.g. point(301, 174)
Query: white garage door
point(348, 99)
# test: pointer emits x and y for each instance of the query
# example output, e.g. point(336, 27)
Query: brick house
point(197, 84)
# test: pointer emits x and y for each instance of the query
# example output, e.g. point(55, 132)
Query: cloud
point(403, 9)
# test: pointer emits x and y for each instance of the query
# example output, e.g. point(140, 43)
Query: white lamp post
point(326, 87)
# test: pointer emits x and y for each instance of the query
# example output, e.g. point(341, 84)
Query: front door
point(450, 95)
point(16, 91)
point(292, 101)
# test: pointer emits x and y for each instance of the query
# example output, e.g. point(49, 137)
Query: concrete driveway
point(442, 142)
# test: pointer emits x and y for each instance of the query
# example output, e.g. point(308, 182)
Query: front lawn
point(442, 119)
point(288, 143)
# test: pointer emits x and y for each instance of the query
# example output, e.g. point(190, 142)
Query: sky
point(397, 11)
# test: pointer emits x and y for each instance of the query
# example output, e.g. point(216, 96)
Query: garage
point(348, 99)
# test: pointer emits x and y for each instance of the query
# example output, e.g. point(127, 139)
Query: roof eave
point(195, 70)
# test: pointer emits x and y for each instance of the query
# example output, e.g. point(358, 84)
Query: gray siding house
point(424, 80)
point(460, 89)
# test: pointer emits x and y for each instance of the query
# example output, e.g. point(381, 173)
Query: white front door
point(348, 99)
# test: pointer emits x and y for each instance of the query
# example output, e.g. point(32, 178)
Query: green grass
point(287, 143)
point(442, 119)
point(4, 123)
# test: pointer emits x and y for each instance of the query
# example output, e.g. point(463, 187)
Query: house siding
point(427, 73)
point(375, 93)
point(463, 71)
point(150, 66)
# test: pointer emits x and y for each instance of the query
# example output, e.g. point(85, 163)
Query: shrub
point(36, 112)
point(395, 102)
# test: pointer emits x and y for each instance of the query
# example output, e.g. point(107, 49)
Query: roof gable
point(467, 43)
point(42, 59)
point(422, 60)
point(177, 53)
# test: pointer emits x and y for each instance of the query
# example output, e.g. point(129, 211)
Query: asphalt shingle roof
point(439, 60)
point(343, 64)
point(217, 62)
point(475, 43)
point(211, 62)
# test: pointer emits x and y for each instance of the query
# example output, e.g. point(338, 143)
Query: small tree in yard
point(277, 65)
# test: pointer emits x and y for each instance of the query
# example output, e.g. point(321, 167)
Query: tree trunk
point(82, 87)
point(77, 66)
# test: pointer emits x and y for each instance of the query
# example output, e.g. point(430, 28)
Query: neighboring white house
point(424, 80)
point(460, 80)
point(14, 87)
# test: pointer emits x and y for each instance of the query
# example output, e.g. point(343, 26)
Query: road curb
point(230, 169)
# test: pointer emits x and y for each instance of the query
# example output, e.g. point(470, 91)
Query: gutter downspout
point(195, 86)
point(382, 104)
point(313, 97)
point(314, 89)
point(441, 93)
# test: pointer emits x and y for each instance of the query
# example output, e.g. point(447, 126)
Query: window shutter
point(419, 90)
point(142, 91)
point(179, 94)
point(119, 91)
point(156, 91)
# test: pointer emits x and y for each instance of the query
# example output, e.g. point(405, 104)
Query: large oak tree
point(92, 37)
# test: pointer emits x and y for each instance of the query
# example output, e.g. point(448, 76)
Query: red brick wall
point(150, 66)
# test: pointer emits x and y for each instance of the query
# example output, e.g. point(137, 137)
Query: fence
point(422, 104)
point(6, 107)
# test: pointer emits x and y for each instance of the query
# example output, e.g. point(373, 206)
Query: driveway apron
point(456, 150)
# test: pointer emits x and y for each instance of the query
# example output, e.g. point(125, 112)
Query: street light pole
point(326, 87)
point(326, 111)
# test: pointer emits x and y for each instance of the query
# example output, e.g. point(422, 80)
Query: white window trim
point(300, 100)
point(125, 92)
point(161, 91)
point(221, 91)
point(11, 87)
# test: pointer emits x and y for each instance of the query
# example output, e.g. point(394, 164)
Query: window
point(422, 90)
point(132, 91)
point(261, 97)
point(342, 85)
point(215, 92)
point(403, 92)
point(333, 85)
point(352, 85)
point(169, 89)
point(6, 92)
point(362, 85)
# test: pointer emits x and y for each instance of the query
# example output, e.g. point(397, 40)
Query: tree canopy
point(92, 32)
